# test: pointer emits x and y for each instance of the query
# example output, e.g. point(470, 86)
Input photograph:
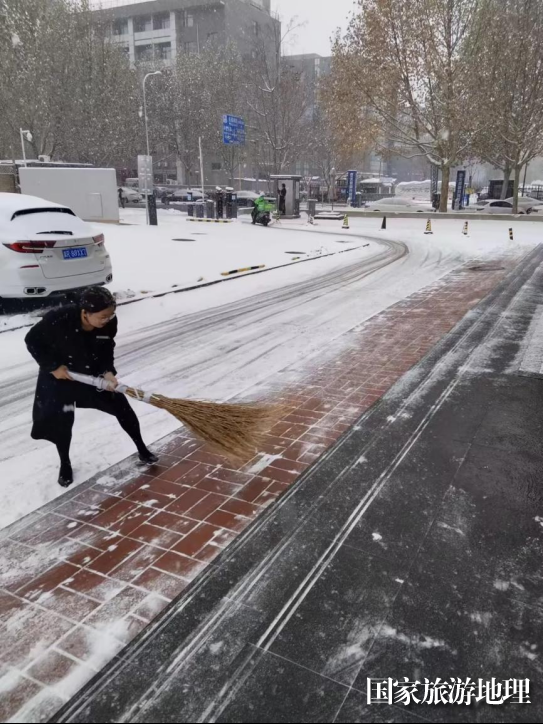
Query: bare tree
point(189, 102)
point(65, 82)
point(406, 62)
point(509, 93)
point(277, 102)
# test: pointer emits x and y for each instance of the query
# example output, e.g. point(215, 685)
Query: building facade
point(158, 30)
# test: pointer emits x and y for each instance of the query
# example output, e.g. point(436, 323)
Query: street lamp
point(25, 134)
point(155, 72)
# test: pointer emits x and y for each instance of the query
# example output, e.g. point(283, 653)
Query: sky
point(320, 19)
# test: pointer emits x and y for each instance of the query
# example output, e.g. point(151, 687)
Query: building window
point(143, 24)
point(256, 28)
point(215, 166)
point(144, 53)
point(163, 51)
point(191, 48)
point(120, 27)
point(187, 19)
point(212, 37)
point(161, 22)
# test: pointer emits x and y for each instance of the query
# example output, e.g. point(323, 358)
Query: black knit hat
point(96, 299)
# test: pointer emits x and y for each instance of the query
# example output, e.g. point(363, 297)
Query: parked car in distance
point(46, 250)
point(246, 198)
point(499, 207)
point(178, 195)
point(526, 203)
point(131, 195)
point(398, 204)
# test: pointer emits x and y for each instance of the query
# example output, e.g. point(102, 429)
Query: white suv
point(45, 249)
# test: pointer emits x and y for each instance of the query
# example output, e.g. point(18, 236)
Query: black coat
point(59, 339)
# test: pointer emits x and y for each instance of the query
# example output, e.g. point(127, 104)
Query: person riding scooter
point(260, 204)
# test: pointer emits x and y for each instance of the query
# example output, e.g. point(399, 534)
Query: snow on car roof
point(10, 203)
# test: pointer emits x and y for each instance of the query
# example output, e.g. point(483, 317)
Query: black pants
point(55, 405)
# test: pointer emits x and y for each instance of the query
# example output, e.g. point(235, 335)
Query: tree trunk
point(518, 169)
point(445, 176)
point(506, 178)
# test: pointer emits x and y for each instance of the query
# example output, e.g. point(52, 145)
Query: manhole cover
point(183, 239)
point(485, 267)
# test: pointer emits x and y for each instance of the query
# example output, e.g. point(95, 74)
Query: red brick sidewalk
point(84, 575)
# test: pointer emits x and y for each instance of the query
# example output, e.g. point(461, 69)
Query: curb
point(211, 221)
point(258, 270)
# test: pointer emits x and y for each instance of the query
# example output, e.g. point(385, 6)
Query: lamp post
point(24, 134)
point(155, 72)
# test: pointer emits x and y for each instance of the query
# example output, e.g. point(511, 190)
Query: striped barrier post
point(245, 269)
point(211, 221)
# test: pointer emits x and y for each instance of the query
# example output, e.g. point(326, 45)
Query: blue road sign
point(459, 190)
point(233, 130)
point(351, 186)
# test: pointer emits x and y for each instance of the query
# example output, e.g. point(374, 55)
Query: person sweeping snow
point(81, 338)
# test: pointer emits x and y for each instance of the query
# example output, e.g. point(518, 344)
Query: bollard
point(153, 220)
point(190, 209)
point(428, 227)
point(511, 234)
point(465, 229)
point(345, 222)
point(210, 209)
point(199, 209)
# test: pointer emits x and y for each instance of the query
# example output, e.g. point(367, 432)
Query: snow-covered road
point(214, 343)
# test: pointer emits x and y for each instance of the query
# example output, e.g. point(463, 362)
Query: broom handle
point(98, 382)
point(102, 384)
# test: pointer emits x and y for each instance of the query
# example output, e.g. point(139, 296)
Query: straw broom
point(235, 431)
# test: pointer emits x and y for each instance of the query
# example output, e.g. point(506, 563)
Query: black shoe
point(65, 475)
point(148, 458)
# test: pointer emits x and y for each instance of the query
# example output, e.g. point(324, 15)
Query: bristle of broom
point(235, 431)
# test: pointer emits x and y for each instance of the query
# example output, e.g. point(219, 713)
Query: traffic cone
point(428, 227)
point(345, 222)
point(384, 223)
point(510, 234)
point(465, 229)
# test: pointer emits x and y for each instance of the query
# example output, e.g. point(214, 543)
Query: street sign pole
point(145, 180)
point(201, 167)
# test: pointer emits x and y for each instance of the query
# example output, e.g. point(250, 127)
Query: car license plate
point(79, 253)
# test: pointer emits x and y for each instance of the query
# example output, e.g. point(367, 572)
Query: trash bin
point(311, 207)
point(231, 203)
point(199, 210)
point(210, 209)
point(190, 209)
